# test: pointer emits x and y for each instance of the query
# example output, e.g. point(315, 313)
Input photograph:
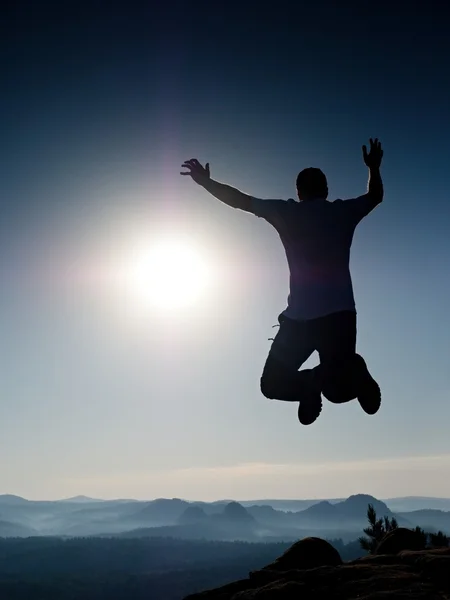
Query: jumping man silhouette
point(320, 314)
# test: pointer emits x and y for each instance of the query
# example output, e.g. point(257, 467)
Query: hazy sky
point(104, 395)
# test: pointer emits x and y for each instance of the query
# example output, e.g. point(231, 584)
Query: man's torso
point(317, 237)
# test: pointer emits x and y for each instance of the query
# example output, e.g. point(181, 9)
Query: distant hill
point(413, 503)
point(8, 529)
point(221, 520)
point(322, 510)
point(162, 511)
point(356, 505)
point(192, 514)
point(430, 520)
point(12, 499)
point(288, 505)
point(234, 522)
point(234, 511)
point(80, 500)
point(348, 515)
point(267, 514)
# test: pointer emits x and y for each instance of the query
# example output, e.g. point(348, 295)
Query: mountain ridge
point(343, 519)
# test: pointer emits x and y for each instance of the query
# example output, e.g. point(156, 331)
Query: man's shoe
point(369, 393)
point(310, 405)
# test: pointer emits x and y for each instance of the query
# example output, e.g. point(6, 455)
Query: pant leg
point(335, 339)
point(291, 347)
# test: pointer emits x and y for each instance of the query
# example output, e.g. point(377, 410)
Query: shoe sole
point(370, 399)
point(309, 410)
point(341, 393)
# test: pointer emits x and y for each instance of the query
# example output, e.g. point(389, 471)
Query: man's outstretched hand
point(374, 156)
point(198, 173)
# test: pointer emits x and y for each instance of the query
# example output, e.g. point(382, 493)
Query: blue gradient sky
point(101, 106)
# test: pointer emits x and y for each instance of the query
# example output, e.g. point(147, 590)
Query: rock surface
point(310, 552)
point(400, 539)
point(409, 574)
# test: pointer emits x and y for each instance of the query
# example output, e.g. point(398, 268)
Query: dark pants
point(333, 337)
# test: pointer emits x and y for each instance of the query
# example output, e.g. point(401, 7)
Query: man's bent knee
point(268, 387)
point(272, 378)
point(278, 382)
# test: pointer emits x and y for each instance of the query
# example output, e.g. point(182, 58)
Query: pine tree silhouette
point(422, 535)
point(377, 530)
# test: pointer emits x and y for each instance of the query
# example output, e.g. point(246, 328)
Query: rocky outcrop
point(310, 552)
point(236, 512)
point(401, 539)
point(192, 514)
point(312, 569)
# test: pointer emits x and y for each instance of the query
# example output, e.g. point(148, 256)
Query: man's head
point(311, 184)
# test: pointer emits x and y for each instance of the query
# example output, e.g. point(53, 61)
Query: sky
point(105, 394)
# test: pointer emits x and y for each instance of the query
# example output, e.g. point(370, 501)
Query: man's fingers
point(194, 165)
point(375, 152)
point(191, 162)
point(186, 165)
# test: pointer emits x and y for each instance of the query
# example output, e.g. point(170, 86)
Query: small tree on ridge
point(377, 530)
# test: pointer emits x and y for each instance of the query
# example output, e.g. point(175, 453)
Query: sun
point(170, 273)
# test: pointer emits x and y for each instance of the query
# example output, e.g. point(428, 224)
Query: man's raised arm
point(224, 193)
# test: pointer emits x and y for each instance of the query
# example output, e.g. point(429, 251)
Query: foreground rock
point(310, 552)
point(401, 539)
point(313, 569)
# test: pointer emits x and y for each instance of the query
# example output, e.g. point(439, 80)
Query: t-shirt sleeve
point(358, 208)
point(270, 210)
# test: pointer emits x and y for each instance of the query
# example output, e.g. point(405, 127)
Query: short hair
point(312, 183)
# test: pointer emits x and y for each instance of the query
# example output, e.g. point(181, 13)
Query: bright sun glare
point(170, 273)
